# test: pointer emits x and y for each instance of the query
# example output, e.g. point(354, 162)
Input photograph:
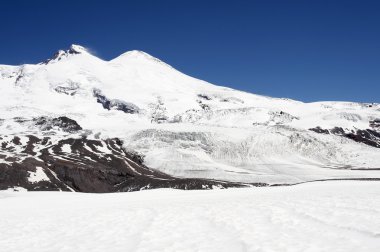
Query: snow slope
point(187, 127)
point(320, 216)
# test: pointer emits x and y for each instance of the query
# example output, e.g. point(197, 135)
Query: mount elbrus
point(77, 122)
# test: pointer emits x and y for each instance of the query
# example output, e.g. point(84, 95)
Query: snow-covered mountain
point(177, 125)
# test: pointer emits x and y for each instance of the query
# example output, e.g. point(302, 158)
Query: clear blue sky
point(305, 50)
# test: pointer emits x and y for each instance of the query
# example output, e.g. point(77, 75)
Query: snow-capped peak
point(61, 54)
point(137, 55)
point(77, 49)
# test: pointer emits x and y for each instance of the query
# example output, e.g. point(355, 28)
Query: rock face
point(64, 123)
point(116, 104)
point(368, 136)
point(62, 54)
point(82, 165)
point(375, 124)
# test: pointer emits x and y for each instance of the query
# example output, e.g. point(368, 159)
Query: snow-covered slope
point(190, 128)
point(321, 216)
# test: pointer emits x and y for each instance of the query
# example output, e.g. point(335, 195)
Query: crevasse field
point(319, 216)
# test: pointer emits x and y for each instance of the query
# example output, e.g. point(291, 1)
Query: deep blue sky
point(305, 50)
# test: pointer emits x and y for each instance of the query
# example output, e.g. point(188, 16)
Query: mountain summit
point(76, 49)
point(136, 55)
point(62, 54)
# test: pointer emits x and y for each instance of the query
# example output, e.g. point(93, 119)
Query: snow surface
point(38, 175)
point(320, 216)
point(66, 148)
point(188, 127)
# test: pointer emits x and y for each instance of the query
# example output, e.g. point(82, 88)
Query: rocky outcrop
point(83, 165)
point(68, 88)
point(368, 136)
point(375, 124)
point(115, 104)
point(62, 54)
point(63, 123)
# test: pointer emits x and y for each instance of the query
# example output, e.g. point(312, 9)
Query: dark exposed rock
point(204, 107)
point(29, 148)
point(86, 165)
point(367, 136)
point(72, 50)
point(320, 130)
point(19, 76)
point(375, 124)
point(61, 54)
point(337, 131)
point(181, 183)
point(102, 99)
point(16, 140)
point(205, 97)
point(126, 107)
point(64, 123)
point(116, 104)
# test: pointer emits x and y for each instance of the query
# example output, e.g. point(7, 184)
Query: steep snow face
point(191, 128)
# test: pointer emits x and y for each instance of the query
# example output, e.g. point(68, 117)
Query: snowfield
point(320, 216)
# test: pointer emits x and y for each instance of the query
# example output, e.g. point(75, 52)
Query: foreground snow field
point(320, 216)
